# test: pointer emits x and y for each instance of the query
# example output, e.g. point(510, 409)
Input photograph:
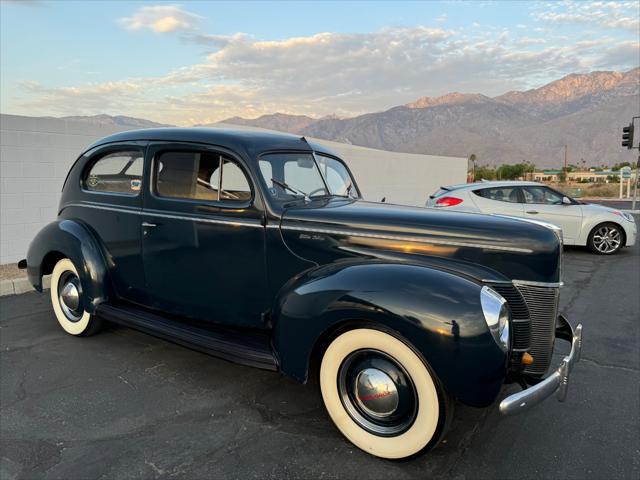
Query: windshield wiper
point(291, 189)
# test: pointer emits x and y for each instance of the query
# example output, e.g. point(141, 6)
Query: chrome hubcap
point(69, 296)
point(376, 393)
point(607, 239)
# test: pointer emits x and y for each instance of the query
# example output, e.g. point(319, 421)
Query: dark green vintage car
point(258, 248)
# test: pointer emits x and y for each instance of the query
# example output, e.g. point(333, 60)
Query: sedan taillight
point(448, 201)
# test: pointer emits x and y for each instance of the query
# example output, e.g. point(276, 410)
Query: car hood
point(595, 209)
point(326, 230)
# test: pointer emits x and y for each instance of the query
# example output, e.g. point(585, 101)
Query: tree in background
point(485, 173)
point(618, 166)
point(562, 176)
point(513, 172)
point(472, 159)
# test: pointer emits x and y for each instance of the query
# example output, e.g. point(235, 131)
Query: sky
point(199, 62)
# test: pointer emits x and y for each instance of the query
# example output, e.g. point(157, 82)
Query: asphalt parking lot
point(123, 404)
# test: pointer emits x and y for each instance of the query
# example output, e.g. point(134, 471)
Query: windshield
point(294, 175)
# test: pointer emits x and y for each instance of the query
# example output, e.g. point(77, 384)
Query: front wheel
point(605, 239)
point(381, 395)
point(67, 299)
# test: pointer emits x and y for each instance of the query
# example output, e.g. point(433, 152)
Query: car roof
point(503, 183)
point(252, 141)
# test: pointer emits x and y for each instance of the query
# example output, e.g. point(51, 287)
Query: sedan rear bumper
point(557, 382)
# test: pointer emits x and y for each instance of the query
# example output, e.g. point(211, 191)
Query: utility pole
point(627, 141)
point(635, 189)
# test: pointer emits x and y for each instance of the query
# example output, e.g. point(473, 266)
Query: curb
point(17, 286)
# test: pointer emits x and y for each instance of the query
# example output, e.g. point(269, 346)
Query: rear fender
point(73, 240)
point(437, 313)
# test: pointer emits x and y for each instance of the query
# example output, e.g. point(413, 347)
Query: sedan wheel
point(381, 395)
point(605, 239)
point(66, 298)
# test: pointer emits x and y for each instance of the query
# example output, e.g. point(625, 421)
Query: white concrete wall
point(35, 156)
point(403, 178)
point(36, 153)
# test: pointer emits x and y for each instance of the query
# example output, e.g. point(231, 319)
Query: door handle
point(149, 225)
point(532, 212)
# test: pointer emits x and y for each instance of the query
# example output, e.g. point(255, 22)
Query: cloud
point(337, 73)
point(611, 14)
point(161, 19)
point(107, 96)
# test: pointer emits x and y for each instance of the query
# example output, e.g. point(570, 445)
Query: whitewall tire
point(381, 395)
point(66, 299)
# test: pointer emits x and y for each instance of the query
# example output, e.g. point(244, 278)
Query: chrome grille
point(542, 303)
point(520, 322)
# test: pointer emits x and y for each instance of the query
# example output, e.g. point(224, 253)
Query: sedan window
point(501, 194)
point(119, 172)
point(197, 176)
point(541, 195)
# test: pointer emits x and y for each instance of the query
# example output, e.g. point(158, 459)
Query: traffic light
point(627, 136)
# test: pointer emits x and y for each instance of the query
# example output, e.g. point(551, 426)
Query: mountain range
point(586, 112)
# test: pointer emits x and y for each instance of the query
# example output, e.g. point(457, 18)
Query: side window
point(541, 195)
point(501, 194)
point(197, 176)
point(235, 185)
point(118, 172)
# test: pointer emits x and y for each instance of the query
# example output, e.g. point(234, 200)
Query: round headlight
point(496, 314)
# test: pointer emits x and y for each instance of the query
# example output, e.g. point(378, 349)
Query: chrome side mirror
point(566, 201)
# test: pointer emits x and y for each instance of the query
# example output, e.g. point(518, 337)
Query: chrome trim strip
point(538, 284)
point(550, 226)
point(408, 238)
point(352, 233)
point(135, 211)
point(237, 223)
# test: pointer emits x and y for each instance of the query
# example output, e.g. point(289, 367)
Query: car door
point(504, 200)
point(544, 203)
point(110, 201)
point(203, 236)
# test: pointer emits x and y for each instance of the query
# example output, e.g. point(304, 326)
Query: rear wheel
point(67, 300)
point(381, 395)
point(606, 239)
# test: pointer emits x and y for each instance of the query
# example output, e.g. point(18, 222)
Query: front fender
point(437, 312)
point(71, 239)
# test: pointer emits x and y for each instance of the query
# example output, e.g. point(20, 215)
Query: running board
point(243, 346)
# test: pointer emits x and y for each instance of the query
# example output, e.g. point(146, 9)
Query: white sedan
point(604, 230)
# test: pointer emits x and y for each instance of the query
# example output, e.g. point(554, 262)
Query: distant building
point(551, 176)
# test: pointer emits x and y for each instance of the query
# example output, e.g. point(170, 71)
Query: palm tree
point(472, 158)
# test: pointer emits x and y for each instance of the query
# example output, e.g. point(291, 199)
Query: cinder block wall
point(35, 156)
point(36, 153)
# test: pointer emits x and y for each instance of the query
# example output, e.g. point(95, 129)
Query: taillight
point(448, 202)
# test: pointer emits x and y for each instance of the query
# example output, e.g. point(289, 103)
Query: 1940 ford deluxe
point(257, 248)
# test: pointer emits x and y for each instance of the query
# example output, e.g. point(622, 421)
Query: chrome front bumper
point(557, 382)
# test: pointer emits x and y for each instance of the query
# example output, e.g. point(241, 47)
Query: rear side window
point(118, 172)
point(501, 194)
point(200, 176)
